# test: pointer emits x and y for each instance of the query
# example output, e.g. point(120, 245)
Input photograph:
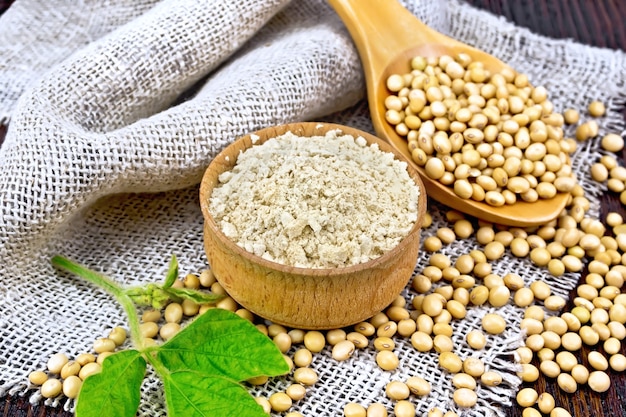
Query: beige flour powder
point(316, 202)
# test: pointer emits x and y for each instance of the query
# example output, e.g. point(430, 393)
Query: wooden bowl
point(306, 298)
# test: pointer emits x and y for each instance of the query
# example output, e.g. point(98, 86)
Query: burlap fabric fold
point(116, 108)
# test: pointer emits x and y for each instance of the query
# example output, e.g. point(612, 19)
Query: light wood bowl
point(306, 298)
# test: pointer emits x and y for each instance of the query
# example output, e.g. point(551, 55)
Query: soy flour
point(316, 202)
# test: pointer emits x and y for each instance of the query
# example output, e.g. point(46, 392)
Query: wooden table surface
point(598, 23)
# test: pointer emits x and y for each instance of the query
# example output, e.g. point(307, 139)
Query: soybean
point(491, 378)
point(354, 410)
point(296, 392)
point(314, 341)
point(397, 390)
point(376, 410)
point(56, 362)
point(476, 339)
point(37, 377)
point(465, 397)
point(527, 397)
point(567, 383)
point(599, 381)
point(493, 323)
point(302, 357)
point(387, 360)
point(546, 402)
point(305, 376)
point(280, 401)
point(343, 350)
point(404, 408)
point(418, 385)
point(51, 388)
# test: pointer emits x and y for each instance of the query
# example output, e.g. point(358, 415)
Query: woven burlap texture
point(106, 146)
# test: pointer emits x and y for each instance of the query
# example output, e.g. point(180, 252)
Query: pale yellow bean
point(493, 323)
point(51, 388)
point(302, 357)
point(404, 408)
point(599, 381)
point(465, 397)
point(376, 410)
point(296, 392)
point(280, 401)
point(343, 350)
point(397, 390)
point(463, 380)
point(546, 402)
point(37, 377)
point(387, 360)
point(527, 397)
point(567, 383)
point(305, 376)
point(491, 378)
point(418, 385)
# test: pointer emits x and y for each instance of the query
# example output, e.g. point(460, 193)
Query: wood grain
point(593, 22)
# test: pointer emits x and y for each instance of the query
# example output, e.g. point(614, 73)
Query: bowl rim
point(264, 134)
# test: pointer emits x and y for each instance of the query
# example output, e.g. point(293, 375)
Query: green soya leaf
point(223, 344)
point(172, 273)
point(194, 295)
point(192, 394)
point(115, 391)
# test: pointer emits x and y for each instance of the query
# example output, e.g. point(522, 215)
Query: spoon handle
point(381, 30)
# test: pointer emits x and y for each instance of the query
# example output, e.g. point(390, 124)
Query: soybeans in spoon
point(389, 39)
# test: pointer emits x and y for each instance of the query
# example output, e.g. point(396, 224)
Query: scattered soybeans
point(525, 157)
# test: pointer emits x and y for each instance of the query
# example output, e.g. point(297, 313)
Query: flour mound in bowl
point(316, 202)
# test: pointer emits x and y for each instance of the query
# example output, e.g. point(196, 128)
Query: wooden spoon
point(387, 36)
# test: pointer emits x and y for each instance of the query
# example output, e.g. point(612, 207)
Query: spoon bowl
point(387, 37)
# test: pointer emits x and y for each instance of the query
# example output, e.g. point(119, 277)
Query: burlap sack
point(106, 147)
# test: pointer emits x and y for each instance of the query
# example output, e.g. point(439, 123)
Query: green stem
point(112, 288)
point(158, 366)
